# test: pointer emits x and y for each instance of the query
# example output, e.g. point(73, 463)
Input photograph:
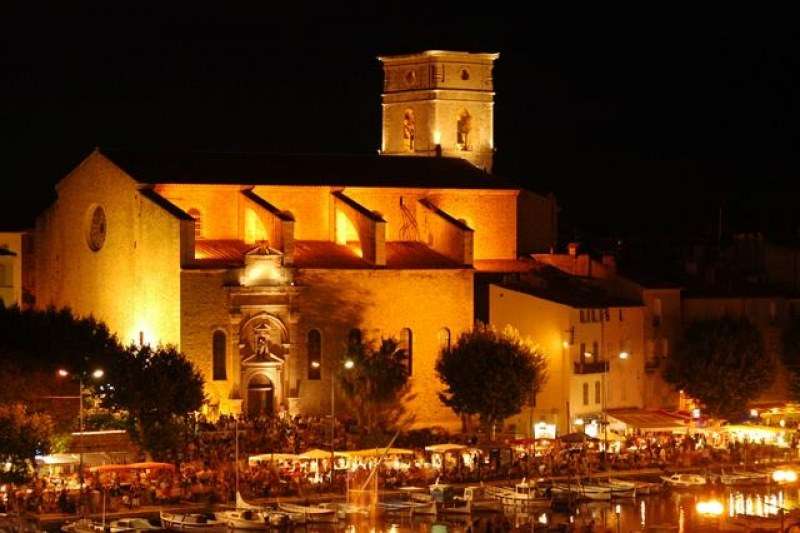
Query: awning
point(646, 420)
point(272, 457)
point(445, 448)
point(377, 452)
point(316, 454)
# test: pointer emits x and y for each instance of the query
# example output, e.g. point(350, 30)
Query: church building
point(262, 267)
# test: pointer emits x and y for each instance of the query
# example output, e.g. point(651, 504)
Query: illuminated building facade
point(261, 268)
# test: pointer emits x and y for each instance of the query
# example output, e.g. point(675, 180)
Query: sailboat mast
point(236, 440)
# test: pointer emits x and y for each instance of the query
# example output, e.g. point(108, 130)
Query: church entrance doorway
point(260, 396)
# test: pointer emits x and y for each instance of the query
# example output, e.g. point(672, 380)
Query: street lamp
point(348, 365)
point(96, 374)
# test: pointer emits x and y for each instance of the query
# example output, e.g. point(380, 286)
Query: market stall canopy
point(59, 459)
point(133, 466)
point(316, 454)
point(445, 448)
point(272, 457)
point(577, 438)
point(377, 452)
point(647, 420)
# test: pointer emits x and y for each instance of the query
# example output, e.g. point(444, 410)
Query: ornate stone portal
point(263, 351)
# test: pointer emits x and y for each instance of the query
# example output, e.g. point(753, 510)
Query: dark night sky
point(643, 131)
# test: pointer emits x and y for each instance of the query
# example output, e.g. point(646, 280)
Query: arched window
point(409, 130)
point(314, 354)
point(354, 338)
point(407, 345)
point(463, 128)
point(198, 222)
point(218, 342)
point(444, 339)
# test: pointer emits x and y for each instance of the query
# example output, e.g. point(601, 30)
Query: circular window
point(96, 228)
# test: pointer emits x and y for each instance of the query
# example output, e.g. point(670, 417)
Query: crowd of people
point(205, 469)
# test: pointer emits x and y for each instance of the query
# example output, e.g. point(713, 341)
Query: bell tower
point(438, 102)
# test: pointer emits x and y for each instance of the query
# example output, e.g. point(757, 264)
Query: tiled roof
point(370, 170)
point(647, 419)
point(220, 253)
point(549, 283)
point(501, 266)
point(224, 253)
point(407, 254)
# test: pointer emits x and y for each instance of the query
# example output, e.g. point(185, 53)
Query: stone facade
point(260, 268)
point(439, 98)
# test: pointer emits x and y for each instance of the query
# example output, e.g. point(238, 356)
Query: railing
point(594, 367)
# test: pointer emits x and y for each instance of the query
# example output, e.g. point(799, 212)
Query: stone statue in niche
point(265, 343)
point(464, 127)
point(409, 130)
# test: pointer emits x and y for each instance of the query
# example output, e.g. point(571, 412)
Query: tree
point(158, 388)
point(722, 364)
point(23, 436)
point(376, 383)
point(489, 373)
point(45, 340)
point(791, 355)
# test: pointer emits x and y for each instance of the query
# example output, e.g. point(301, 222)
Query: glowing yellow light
point(784, 476)
point(97, 374)
point(579, 421)
point(754, 412)
point(588, 355)
point(710, 507)
point(565, 344)
point(695, 413)
point(349, 364)
point(623, 355)
point(314, 364)
point(437, 137)
point(782, 423)
point(63, 373)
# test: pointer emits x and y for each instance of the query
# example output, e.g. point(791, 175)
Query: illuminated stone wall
point(550, 326)
point(435, 91)
point(381, 303)
point(132, 282)
point(11, 268)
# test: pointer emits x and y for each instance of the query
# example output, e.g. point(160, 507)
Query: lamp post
point(96, 374)
point(348, 365)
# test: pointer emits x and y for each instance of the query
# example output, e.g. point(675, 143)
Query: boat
point(343, 509)
point(598, 491)
point(191, 522)
point(738, 479)
point(83, 525)
point(684, 481)
point(524, 495)
point(479, 501)
point(311, 513)
point(642, 487)
point(248, 516)
point(135, 525)
point(744, 522)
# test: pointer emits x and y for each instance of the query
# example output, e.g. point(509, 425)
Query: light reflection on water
point(671, 511)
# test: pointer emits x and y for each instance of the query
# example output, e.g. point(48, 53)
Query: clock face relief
point(96, 231)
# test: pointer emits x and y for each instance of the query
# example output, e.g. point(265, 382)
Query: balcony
point(594, 367)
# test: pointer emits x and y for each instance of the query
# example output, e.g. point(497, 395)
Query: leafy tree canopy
point(722, 364)
point(158, 388)
point(376, 383)
point(23, 435)
point(36, 340)
point(791, 355)
point(490, 373)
